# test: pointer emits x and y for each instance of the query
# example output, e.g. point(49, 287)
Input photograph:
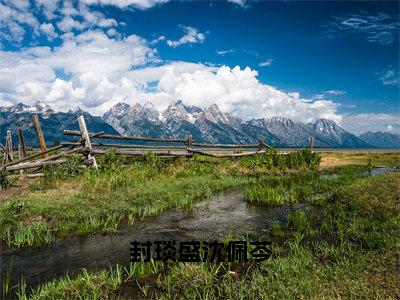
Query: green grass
point(354, 254)
point(68, 200)
point(353, 251)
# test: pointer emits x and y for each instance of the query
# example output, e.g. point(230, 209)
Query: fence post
point(260, 144)
point(311, 144)
point(190, 142)
point(88, 144)
point(8, 150)
point(21, 146)
point(39, 134)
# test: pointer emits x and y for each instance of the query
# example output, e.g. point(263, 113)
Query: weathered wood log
point(136, 153)
point(21, 141)
point(33, 156)
point(127, 146)
point(34, 165)
point(81, 141)
point(64, 153)
point(34, 175)
point(127, 137)
point(39, 133)
point(88, 145)
point(311, 146)
point(225, 145)
point(226, 155)
point(8, 151)
point(190, 142)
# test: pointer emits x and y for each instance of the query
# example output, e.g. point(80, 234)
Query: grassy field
point(352, 253)
point(334, 159)
point(348, 247)
point(66, 201)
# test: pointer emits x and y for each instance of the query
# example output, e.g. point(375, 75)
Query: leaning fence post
point(39, 133)
point(311, 143)
point(88, 144)
point(21, 146)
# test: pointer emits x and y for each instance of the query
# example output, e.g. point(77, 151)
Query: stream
point(225, 214)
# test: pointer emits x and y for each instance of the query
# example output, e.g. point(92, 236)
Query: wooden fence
point(92, 144)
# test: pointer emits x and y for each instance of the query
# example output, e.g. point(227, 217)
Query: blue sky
point(301, 60)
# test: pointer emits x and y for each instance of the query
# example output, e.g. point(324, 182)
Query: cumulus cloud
point(361, 123)
point(239, 92)
point(94, 64)
point(14, 16)
point(48, 30)
point(99, 71)
point(192, 35)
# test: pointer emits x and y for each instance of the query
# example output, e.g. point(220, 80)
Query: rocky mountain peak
point(176, 111)
point(42, 108)
point(326, 127)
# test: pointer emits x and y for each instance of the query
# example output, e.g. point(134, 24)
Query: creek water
point(225, 214)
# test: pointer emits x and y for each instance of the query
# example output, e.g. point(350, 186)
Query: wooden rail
point(127, 137)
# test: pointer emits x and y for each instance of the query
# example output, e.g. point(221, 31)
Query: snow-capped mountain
point(38, 107)
point(213, 126)
point(337, 135)
point(208, 125)
point(381, 139)
point(53, 123)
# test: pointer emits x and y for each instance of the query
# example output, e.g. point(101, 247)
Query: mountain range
point(179, 120)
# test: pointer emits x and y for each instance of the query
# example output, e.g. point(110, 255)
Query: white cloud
point(335, 92)
point(48, 7)
point(13, 18)
point(140, 4)
point(239, 2)
point(48, 30)
point(96, 70)
point(224, 52)
point(192, 35)
point(239, 92)
point(99, 71)
point(361, 123)
point(374, 27)
point(266, 63)
point(94, 66)
point(157, 40)
point(390, 77)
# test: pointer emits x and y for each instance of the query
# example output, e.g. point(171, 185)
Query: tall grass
point(357, 249)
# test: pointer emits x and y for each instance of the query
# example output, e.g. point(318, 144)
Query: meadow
point(347, 247)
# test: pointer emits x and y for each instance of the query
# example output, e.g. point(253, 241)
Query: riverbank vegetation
point(346, 246)
point(69, 200)
point(347, 249)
